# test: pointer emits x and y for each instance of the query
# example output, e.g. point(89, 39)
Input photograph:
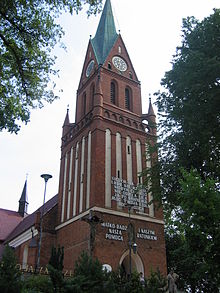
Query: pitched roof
point(29, 220)
point(8, 221)
point(105, 35)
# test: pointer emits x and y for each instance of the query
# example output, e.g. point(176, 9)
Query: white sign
point(128, 194)
point(146, 234)
point(115, 232)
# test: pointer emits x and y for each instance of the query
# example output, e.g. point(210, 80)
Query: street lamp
point(46, 177)
point(132, 245)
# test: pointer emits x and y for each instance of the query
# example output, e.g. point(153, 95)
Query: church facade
point(102, 206)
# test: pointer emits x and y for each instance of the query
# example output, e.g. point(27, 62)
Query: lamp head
point(46, 177)
point(134, 248)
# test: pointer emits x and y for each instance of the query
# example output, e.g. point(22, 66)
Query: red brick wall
point(75, 236)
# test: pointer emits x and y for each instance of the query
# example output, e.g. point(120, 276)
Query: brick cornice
point(140, 217)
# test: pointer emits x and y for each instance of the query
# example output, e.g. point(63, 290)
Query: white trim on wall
point(108, 168)
point(25, 236)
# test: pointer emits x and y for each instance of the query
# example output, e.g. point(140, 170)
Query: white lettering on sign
point(108, 225)
point(114, 231)
point(121, 227)
point(128, 194)
point(114, 237)
point(146, 234)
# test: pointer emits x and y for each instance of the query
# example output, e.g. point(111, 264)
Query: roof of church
point(8, 221)
point(106, 34)
point(29, 220)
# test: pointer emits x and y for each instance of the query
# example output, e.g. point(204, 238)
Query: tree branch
point(18, 61)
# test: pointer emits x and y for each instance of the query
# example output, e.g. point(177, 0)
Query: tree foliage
point(55, 268)
point(9, 273)
point(89, 277)
point(189, 107)
point(28, 33)
point(155, 283)
point(37, 284)
point(193, 236)
point(190, 153)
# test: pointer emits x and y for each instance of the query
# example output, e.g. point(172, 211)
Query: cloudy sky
point(151, 31)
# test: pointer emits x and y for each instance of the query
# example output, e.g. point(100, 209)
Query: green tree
point(194, 247)
point(9, 274)
point(155, 283)
point(28, 33)
point(55, 268)
point(189, 106)
point(89, 277)
point(123, 284)
point(190, 151)
point(37, 284)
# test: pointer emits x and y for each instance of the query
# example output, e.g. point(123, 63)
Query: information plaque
point(127, 194)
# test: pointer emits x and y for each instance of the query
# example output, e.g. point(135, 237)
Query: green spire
point(105, 35)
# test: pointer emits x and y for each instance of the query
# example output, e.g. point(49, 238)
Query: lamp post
point(131, 243)
point(46, 177)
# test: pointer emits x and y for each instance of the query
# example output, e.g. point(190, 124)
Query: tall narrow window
point(84, 103)
point(113, 93)
point(92, 94)
point(127, 99)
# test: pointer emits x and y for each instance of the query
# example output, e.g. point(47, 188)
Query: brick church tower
point(102, 207)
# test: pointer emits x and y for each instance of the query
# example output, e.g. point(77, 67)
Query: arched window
point(113, 93)
point(128, 105)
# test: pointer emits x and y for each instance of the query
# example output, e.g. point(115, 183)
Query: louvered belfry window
point(127, 99)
